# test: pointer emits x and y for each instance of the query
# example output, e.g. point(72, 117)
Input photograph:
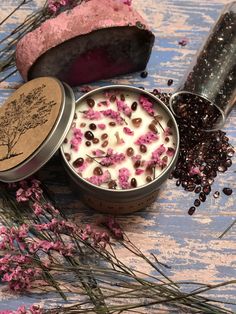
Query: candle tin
point(129, 200)
point(34, 123)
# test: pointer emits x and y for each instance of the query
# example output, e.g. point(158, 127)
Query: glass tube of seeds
point(207, 92)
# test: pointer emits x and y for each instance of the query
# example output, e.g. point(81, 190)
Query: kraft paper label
point(27, 118)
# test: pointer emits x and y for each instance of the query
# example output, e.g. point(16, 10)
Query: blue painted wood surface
point(189, 244)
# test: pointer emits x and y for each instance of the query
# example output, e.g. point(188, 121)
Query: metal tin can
point(36, 118)
point(122, 201)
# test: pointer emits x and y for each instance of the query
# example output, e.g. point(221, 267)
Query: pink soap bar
point(95, 40)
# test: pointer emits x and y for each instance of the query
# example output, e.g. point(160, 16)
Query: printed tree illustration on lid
point(22, 114)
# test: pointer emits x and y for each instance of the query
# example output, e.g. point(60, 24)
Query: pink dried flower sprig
point(76, 140)
point(156, 157)
point(92, 114)
point(123, 107)
point(98, 238)
point(18, 271)
point(114, 227)
point(128, 131)
point(27, 192)
point(112, 158)
point(147, 138)
point(123, 178)
point(99, 180)
point(114, 115)
point(146, 105)
point(34, 309)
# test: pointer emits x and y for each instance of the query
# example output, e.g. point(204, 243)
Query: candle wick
point(95, 159)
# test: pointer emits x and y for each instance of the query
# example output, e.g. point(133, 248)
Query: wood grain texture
point(189, 244)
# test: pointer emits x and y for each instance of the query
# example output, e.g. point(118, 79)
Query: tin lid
point(34, 121)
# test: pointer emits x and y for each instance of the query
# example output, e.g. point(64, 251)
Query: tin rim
point(179, 93)
point(164, 107)
point(50, 145)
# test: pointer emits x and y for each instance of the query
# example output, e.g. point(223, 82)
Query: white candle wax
point(117, 144)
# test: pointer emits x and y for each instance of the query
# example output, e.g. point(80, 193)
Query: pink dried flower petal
point(114, 227)
point(123, 178)
point(83, 167)
point(123, 107)
point(112, 158)
point(76, 139)
point(147, 105)
point(92, 114)
point(139, 171)
point(105, 103)
point(136, 158)
point(101, 126)
point(147, 138)
point(99, 180)
point(194, 170)
point(128, 131)
point(156, 156)
point(38, 209)
point(98, 153)
point(113, 115)
point(167, 131)
point(170, 151)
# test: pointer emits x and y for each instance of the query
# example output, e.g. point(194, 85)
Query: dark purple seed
point(216, 194)
point(88, 143)
point(230, 152)
point(112, 123)
point(148, 179)
point(104, 144)
point(207, 189)
point(78, 162)
point(113, 98)
point(133, 183)
point(167, 139)
point(227, 191)
point(197, 189)
point(122, 97)
point(82, 125)
point(152, 128)
point(144, 74)
point(65, 140)
point(134, 105)
point(112, 184)
point(136, 122)
point(184, 184)
point(97, 171)
point(228, 163)
point(191, 210)
point(202, 197)
point(190, 187)
point(197, 203)
point(129, 151)
point(95, 140)
point(170, 82)
point(155, 92)
point(221, 168)
point(68, 157)
point(92, 126)
point(170, 123)
point(178, 182)
point(89, 135)
point(104, 136)
point(90, 102)
point(137, 163)
point(143, 148)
